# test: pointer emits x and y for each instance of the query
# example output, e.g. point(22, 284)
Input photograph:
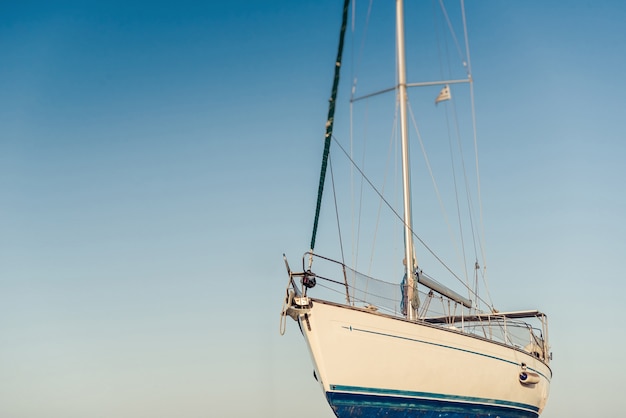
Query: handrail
point(360, 290)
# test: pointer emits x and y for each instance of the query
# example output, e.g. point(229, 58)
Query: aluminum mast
point(411, 285)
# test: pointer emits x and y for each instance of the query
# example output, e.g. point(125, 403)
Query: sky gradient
point(156, 160)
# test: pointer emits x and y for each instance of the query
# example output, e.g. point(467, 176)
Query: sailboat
point(412, 347)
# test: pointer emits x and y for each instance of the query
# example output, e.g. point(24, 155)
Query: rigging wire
point(481, 236)
point(380, 203)
point(332, 179)
point(355, 69)
point(357, 231)
point(397, 215)
point(357, 63)
point(454, 37)
point(446, 55)
point(462, 256)
point(441, 204)
point(473, 111)
point(432, 176)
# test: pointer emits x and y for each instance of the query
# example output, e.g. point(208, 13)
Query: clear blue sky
point(156, 160)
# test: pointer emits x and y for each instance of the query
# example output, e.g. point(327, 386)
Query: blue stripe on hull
point(350, 405)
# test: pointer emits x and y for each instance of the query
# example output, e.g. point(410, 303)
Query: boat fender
point(528, 378)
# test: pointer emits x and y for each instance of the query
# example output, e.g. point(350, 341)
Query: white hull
point(374, 365)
